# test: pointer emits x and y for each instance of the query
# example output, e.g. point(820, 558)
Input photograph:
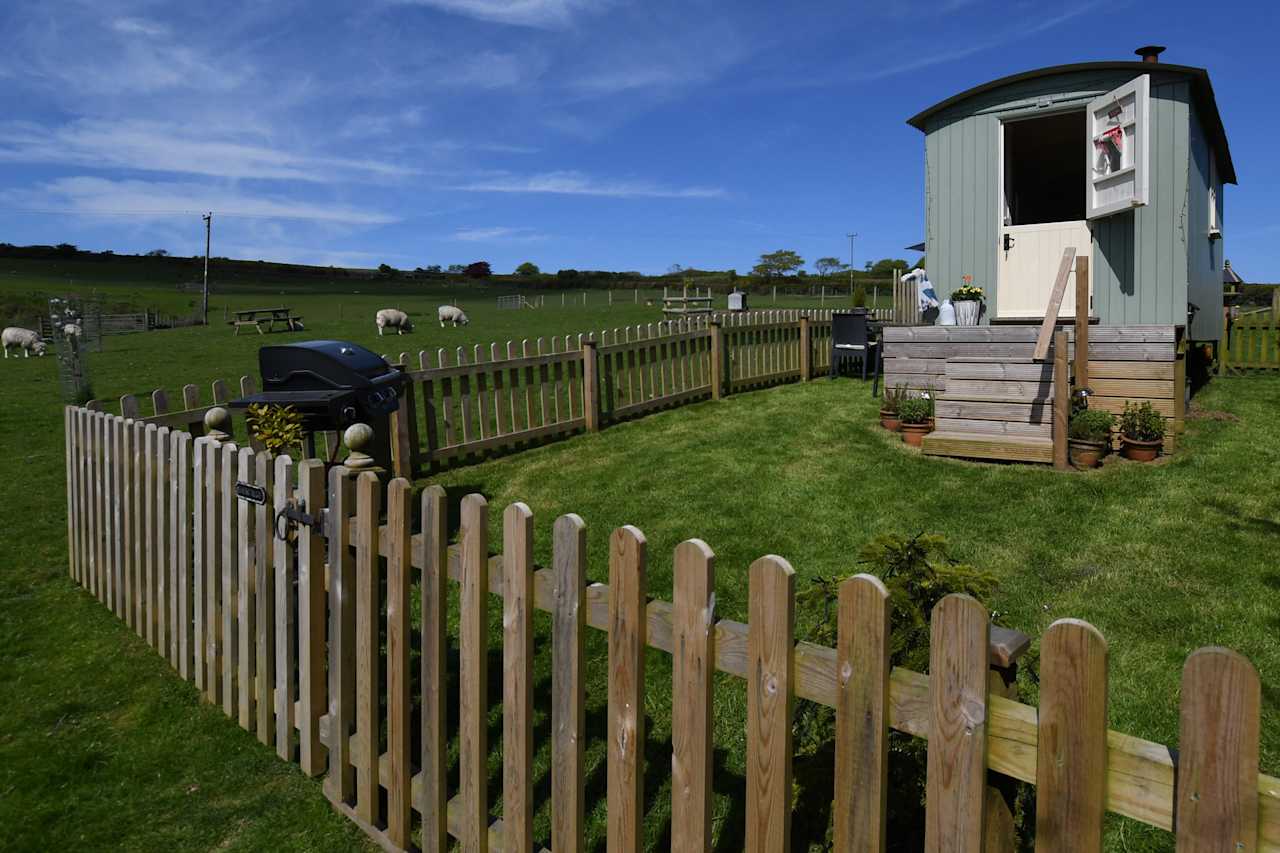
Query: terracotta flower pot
point(1086, 454)
point(913, 434)
point(1139, 450)
point(890, 420)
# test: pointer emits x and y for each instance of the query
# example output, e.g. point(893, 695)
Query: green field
point(103, 747)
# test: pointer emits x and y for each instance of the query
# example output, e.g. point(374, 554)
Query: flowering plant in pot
point(893, 398)
point(1089, 436)
point(915, 413)
point(1141, 431)
point(967, 300)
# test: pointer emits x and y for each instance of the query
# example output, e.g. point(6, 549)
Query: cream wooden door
point(1027, 261)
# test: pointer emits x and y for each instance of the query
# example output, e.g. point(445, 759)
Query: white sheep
point(28, 340)
point(72, 330)
point(395, 319)
point(451, 314)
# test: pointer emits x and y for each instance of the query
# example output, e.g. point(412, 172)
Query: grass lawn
point(101, 746)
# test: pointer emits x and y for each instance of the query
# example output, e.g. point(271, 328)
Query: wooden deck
point(995, 401)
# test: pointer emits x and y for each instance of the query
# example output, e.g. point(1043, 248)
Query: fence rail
point(284, 634)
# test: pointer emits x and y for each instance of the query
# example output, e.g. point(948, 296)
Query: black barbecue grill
point(332, 383)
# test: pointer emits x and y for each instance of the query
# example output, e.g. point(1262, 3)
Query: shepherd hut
point(1125, 161)
point(1095, 181)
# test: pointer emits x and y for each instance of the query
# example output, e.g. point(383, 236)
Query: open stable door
point(1118, 149)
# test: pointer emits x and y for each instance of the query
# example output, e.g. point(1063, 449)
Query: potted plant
point(1089, 436)
point(893, 398)
point(1141, 431)
point(967, 300)
point(915, 413)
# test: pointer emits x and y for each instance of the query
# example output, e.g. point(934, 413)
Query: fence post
point(806, 351)
point(342, 635)
point(1061, 401)
point(590, 386)
point(1082, 321)
point(717, 360)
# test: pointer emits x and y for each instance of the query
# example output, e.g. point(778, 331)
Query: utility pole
point(851, 236)
point(208, 229)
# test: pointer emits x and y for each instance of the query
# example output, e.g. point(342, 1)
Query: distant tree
point(567, 275)
point(867, 266)
point(456, 268)
point(884, 267)
point(675, 269)
point(158, 253)
point(433, 268)
point(479, 269)
point(528, 268)
point(781, 262)
point(827, 266)
point(66, 249)
point(387, 271)
point(860, 297)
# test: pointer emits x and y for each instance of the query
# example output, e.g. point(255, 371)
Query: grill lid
point(320, 365)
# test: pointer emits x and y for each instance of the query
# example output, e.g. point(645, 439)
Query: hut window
point(1044, 174)
point(1215, 227)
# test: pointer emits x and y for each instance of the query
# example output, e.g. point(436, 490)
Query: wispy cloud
point(90, 196)
point(154, 146)
point(139, 27)
point(544, 14)
point(508, 235)
point(575, 183)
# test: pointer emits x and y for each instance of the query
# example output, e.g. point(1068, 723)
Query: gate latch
point(294, 514)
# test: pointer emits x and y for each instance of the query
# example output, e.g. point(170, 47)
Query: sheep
point(395, 318)
point(451, 314)
point(72, 330)
point(28, 340)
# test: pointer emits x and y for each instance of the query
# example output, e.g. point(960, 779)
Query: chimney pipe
point(1151, 52)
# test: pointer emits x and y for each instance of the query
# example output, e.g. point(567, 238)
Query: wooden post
point(568, 691)
point(590, 386)
point(1061, 401)
point(628, 632)
point(693, 661)
point(473, 705)
point(342, 635)
point(717, 360)
point(1082, 321)
point(806, 350)
point(770, 700)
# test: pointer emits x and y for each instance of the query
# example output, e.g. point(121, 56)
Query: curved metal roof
point(1201, 88)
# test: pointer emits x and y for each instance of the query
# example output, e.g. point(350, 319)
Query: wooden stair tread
point(962, 397)
point(973, 359)
point(1014, 448)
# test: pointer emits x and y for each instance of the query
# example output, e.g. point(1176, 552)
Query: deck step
point(983, 446)
point(1017, 410)
point(998, 371)
point(953, 397)
point(973, 359)
point(972, 389)
point(981, 427)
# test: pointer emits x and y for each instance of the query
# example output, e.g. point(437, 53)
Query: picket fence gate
point(275, 611)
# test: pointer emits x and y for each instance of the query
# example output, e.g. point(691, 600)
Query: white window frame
point(1215, 227)
point(1140, 89)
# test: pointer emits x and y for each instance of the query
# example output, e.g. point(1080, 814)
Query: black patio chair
point(852, 341)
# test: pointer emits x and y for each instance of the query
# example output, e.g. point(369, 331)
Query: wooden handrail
point(1055, 302)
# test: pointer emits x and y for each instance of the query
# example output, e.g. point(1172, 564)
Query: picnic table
point(269, 317)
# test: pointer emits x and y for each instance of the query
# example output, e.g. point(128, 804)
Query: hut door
point(1042, 211)
point(1118, 148)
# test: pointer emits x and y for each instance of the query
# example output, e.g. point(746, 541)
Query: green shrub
point(1141, 422)
point(917, 572)
point(277, 427)
point(893, 398)
point(1092, 425)
point(860, 296)
point(915, 410)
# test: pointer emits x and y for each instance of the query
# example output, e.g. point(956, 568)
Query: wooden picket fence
point(276, 612)
point(462, 403)
point(1252, 344)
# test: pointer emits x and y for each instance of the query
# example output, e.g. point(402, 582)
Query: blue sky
point(594, 134)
